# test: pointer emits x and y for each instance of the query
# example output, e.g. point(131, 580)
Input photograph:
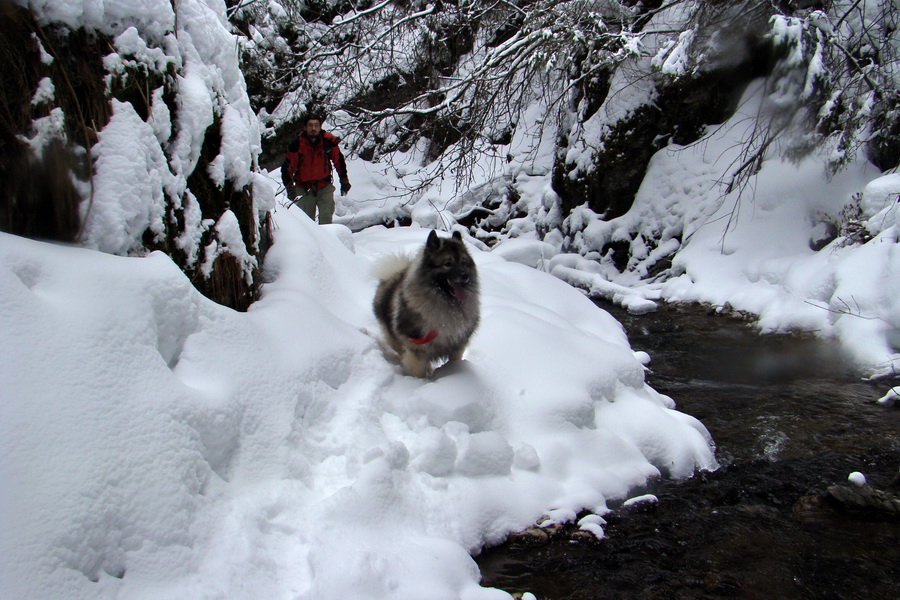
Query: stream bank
point(789, 421)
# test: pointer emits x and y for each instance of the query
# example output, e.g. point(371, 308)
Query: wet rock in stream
point(778, 519)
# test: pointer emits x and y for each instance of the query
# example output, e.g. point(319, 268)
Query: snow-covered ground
point(157, 445)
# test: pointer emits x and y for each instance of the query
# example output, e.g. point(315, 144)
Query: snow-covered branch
point(459, 74)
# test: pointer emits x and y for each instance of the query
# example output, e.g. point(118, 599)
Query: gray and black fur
point(428, 305)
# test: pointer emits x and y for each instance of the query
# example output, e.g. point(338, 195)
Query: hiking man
point(307, 167)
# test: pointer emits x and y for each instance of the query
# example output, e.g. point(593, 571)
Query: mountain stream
point(778, 519)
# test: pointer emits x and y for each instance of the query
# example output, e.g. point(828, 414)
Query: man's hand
point(345, 187)
point(291, 193)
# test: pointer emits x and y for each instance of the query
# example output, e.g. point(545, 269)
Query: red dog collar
point(424, 340)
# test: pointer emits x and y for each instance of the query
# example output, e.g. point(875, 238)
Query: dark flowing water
point(789, 422)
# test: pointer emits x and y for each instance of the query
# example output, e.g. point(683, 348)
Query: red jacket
point(308, 165)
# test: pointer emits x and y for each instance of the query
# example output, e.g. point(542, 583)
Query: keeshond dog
point(428, 305)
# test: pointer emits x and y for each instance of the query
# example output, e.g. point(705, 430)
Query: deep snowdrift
point(157, 445)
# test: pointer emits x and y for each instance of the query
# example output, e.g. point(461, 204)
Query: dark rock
point(866, 498)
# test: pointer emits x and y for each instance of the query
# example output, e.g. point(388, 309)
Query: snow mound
point(157, 445)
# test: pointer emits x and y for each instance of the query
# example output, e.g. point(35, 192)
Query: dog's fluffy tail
point(387, 266)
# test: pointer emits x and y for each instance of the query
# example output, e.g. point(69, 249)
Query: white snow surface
point(157, 445)
point(154, 444)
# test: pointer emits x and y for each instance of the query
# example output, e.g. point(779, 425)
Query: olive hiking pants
point(323, 199)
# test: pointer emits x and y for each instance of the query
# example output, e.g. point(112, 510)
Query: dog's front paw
point(416, 366)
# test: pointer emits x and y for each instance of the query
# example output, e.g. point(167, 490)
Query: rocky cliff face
point(132, 132)
point(687, 86)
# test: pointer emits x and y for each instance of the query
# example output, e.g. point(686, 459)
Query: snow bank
point(157, 445)
point(751, 249)
point(754, 253)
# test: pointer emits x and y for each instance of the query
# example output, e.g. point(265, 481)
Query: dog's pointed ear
point(457, 235)
point(433, 242)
